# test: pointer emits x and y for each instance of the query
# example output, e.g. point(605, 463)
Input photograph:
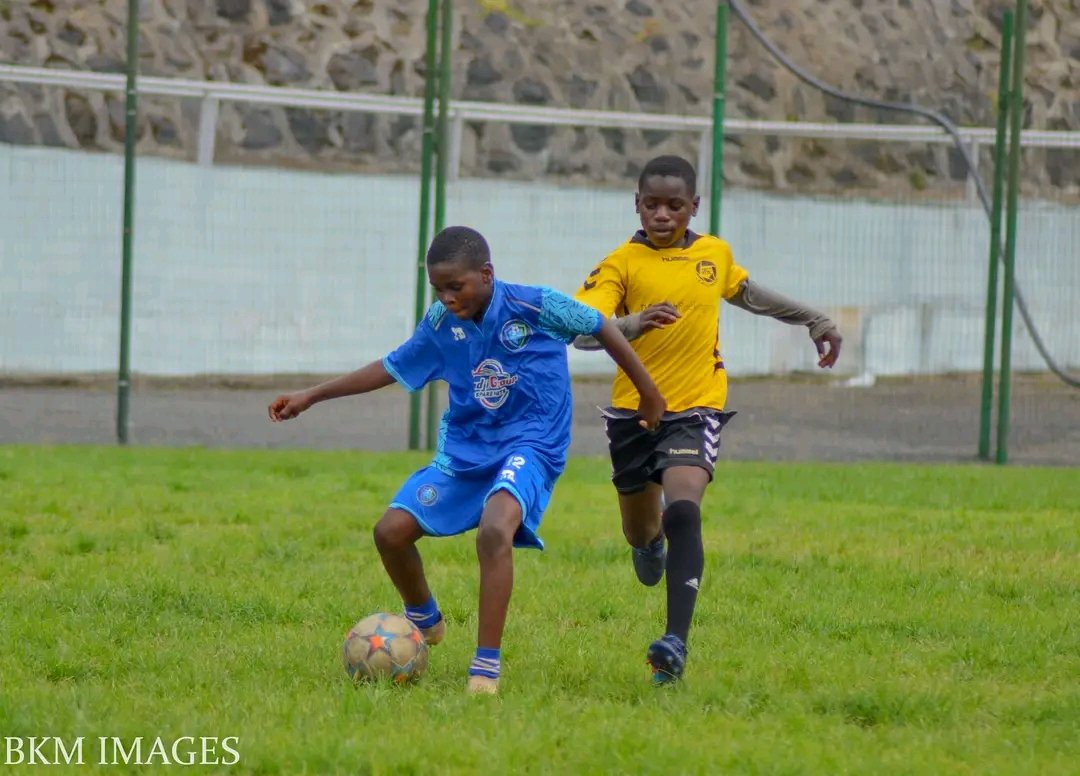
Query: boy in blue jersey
point(503, 440)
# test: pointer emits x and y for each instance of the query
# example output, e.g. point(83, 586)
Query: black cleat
point(649, 562)
point(667, 658)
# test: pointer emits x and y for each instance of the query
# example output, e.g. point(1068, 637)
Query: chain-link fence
point(256, 268)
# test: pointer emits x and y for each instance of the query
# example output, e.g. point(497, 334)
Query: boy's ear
point(487, 272)
point(697, 201)
point(637, 202)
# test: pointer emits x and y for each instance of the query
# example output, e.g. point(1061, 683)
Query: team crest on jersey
point(427, 495)
point(491, 383)
point(706, 272)
point(515, 335)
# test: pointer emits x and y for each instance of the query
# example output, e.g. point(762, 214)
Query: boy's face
point(666, 204)
point(464, 290)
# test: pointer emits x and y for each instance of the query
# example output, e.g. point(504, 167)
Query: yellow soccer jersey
point(683, 358)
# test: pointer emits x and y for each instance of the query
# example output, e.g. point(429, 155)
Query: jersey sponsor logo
point(427, 495)
point(458, 332)
point(706, 272)
point(588, 285)
point(675, 258)
point(683, 451)
point(515, 335)
point(491, 383)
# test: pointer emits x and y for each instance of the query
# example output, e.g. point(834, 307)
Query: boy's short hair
point(674, 166)
point(459, 243)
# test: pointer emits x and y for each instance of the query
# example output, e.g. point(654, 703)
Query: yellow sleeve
point(605, 287)
point(736, 275)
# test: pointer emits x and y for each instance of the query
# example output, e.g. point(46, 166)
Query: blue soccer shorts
point(446, 505)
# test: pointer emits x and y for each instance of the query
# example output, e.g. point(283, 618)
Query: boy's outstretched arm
point(632, 326)
point(365, 379)
point(759, 300)
point(652, 405)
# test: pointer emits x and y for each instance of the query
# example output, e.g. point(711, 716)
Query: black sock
point(685, 562)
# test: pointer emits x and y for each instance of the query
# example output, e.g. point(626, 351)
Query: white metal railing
point(212, 93)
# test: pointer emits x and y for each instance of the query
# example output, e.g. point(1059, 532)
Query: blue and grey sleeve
point(564, 318)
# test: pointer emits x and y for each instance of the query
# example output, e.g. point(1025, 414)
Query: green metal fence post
point(1016, 120)
point(1003, 104)
point(441, 167)
point(442, 123)
point(131, 100)
point(427, 143)
point(716, 176)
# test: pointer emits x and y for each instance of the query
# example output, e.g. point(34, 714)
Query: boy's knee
point(493, 540)
point(394, 530)
point(501, 519)
point(383, 534)
point(682, 517)
point(641, 533)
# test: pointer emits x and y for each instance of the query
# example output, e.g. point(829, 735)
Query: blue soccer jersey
point(508, 375)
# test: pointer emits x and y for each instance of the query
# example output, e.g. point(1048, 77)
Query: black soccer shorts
point(639, 457)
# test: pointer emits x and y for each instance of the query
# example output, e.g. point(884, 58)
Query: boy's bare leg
point(642, 529)
point(685, 483)
point(641, 515)
point(396, 535)
point(494, 549)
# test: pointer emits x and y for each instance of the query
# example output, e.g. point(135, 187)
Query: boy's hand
point(828, 355)
point(657, 316)
point(651, 408)
point(289, 405)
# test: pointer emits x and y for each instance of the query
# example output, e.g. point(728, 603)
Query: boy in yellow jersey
point(666, 283)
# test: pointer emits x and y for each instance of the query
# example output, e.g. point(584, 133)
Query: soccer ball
point(385, 646)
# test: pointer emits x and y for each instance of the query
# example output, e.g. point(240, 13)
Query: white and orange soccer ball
point(385, 646)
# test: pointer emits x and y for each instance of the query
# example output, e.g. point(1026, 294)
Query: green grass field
point(853, 619)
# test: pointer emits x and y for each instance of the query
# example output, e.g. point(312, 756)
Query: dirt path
point(932, 420)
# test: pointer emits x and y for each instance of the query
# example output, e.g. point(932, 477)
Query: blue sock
point(486, 663)
point(425, 615)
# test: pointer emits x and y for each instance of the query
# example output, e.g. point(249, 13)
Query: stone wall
point(630, 55)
